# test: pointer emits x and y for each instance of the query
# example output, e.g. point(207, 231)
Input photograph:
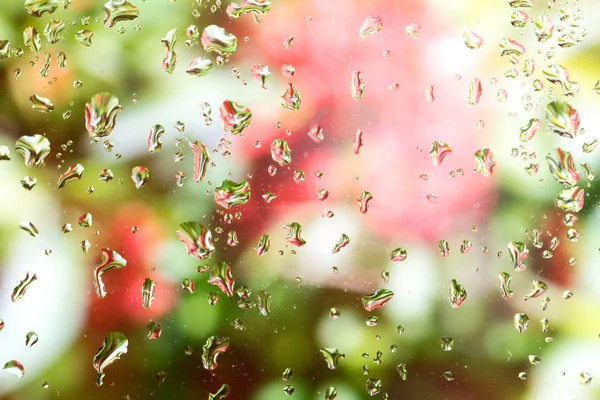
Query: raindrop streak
point(214, 346)
point(74, 173)
point(231, 194)
point(41, 104)
point(484, 162)
point(170, 61)
point(216, 40)
point(34, 149)
point(234, 117)
point(154, 143)
point(505, 289)
point(100, 115)
point(343, 242)
point(521, 321)
point(456, 294)
point(254, 7)
point(220, 276)
point(290, 100)
point(562, 119)
point(539, 288)
point(20, 290)
point(140, 176)
point(197, 239)
point(281, 152)
point(148, 292)
point(439, 151)
point(332, 356)
point(377, 299)
point(357, 85)
point(201, 159)
point(370, 26)
point(518, 253)
point(37, 8)
point(119, 10)
point(562, 167)
point(110, 260)
point(113, 347)
point(14, 367)
point(294, 230)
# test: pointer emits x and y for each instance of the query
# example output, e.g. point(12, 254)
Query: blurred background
point(418, 60)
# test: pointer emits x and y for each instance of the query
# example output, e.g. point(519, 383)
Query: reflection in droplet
point(234, 117)
point(220, 276)
point(148, 292)
point(370, 26)
point(34, 149)
point(357, 85)
point(100, 114)
point(110, 260)
point(294, 230)
point(119, 10)
point(570, 200)
point(29, 228)
point(21, 289)
point(169, 41)
point(214, 346)
point(521, 321)
point(140, 176)
point(518, 253)
point(332, 357)
point(41, 104)
point(15, 368)
point(231, 194)
point(562, 119)
point(114, 346)
point(73, 173)
point(216, 40)
point(377, 299)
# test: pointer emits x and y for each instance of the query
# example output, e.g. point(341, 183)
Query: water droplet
point(562, 167)
point(170, 61)
point(254, 7)
point(281, 152)
point(559, 74)
point(119, 10)
point(294, 230)
point(377, 299)
point(21, 289)
point(287, 374)
point(32, 39)
point(457, 294)
point(539, 288)
point(398, 254)
point(585, 378)
point(412, 31)
point(370, 26)
point(199, 66)
point(73, 173)
point(140, 176)
point(85, 245)
point(567, 294)
point(216, 40)
point(41, 104)
point(447, 343)
point(357, 85)
point(334, 313)
point(34, 149)
point(153, 330)
point(148, 292)
point(519, 19)
point(264, 302)
point(197, 239)
point(220, 276)
point(85, 220)
point(234, 117)
point(263, 245)
point(402, 371)
point(484, 160)
point(472, 40)
point(521, 321)
point(343, 242)
point(114, 346)
point(534, 360)
point(448, 376)
point(260, 73)
point(570, 200)
point(224, 390)
point(543, 28)
point(439, 151)
point(332, 356)
point(373, 386)
point(474, 92)
point(358, 142)
point(290, 100)
point(363, 201)
point(14, 367)
point(528, 131)
point(465, 246)
point(29, 228)
point(231, 194)
point(562, 118)
point(444, 247)
point(509, 47)
point(505, 289)
point(214, 346)
point(110, 260)
point(518, 253)
point(100, 114)
point(316, 134)
point(31, 339)
point(84, 37)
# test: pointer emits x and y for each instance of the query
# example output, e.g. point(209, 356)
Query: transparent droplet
point(518, 253)
point(232, 194)
point(543, 28)
point(377, 299)
point(559, 74)
point(505, 289)
point(412, 30)
point(32, 39)
point(357, 85)
point(562, 119)
point(148, 292)
point(294, 230)
point(234, 117)
point(197, 239)
point(110, 260)
point(224, 390)
point(41, 104)
point(472, 40)
point(29, 228)
point(509, 47)
point(373, 386)
point(170, 61)
point(21, 289)
point(216, 40)
point(370, 26)
point(484, 162)
point(457, 294)
point(444, 247)
point(140, 176)
point(220, 276)
point(31, 339)
point(153, 330)
point(214, 346)
point(521, 321)
point(119, 10)
point(402, 371)
point(199, 66)
point(519, 19)
point(254, 7)
point(15, 368)
point(343, 242)
point(364, 200)
point(398, 254)
point(332, 356)
point(291, 100)
point(84, 37)
point(114, 346)
point(447, 343)
point(570, 200)
point(281, 152)
point(585, 378)
point(534, 360)
point(474, 92)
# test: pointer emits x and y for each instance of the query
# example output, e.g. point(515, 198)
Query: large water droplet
point(559, 74)
point(201, 159)
point(231, 194)
point(291, 100)
point(570, 200)
point(110, 260)
point(197, 239)
point(37, 8)
point(216, 40)
point(14, 367)
point(370, 26)
point(562, 118)
point(281, 152)
point(114, 346)
point(41, 104)
point(374, 386)
point(484, 162)
point(34, 149)
point(562, 167)
point(119, 10)
point(377, 299)
point(539, 288)
point(518, 253)
point(169, 41)
point(73, 173)
point(439, 151)
point(456, 294)
point(294, 230)
point(199, 66)
point(220, 276)
point(332, 356)
point(140, 176)
point(254, 7)
point(154, 143)
point(214, 346)
point(234, 117)
point(100, 114)
point(32, 39)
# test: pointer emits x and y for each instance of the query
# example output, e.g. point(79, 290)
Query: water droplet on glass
point(119, 10)
point(170, 61)
point(447, 343)
point(448, 376)
point(562, 119)
point(260, 73)
point(254, 7)
point(412, 31)
point(534, 360)
point(472, 40)
point(505, 289)
point(377, 299)
point(474, 91)
point(100, 114)
point(199, 66)
point(370, 26)
point(290, 100)
point(543, 28)
point(357, 85)
point(559, 74)
point(281, 152)
point(484, 160)
point(439, 151)
point(264, 302)
point(15, 368)
point(294, 230)
point(263, 245)
point(84, 37)
point(562, 167)
point(231, 194)
point(41, 104)
point(444, 247)
point(140, 176)
point(332, 356)
point(373, 386)
point(216, 40)
point(29, 228)
point(518, 253)
point(110, 260)
point(214, 346)
point(31, 339)
point(34, 149)
point(343, 242)
point(220, 276)
point(509, 47)
point(148, 292)
point(114, 346)
point(585, 378)
point(32, 39)
point(457, 294)
point(234, 117)
point(197, 239)
point(570, 200)
point(21, 289)
point(521, 321)
point(224, 390)
point(153, 330)
point(363, 201)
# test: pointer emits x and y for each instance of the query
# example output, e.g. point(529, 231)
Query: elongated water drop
point(224, 390)
point(199, 66)
point(21, 289)
point(100, 114)
point(263, 245)
point(264, 302)
point(154, 143)
point(457, 294)
point(37, 8)
point(562, 167)
point(32, 39)
point(518, 253)
point(343, 242)
point(31, 339)
point(474, 92)
point(197, 239)
point(170, 61)
point(505, 289)
point(357, 85)
point(114, 346)
point(214, 346)
point(539, 288)
point(220, 276)
point(148, 292)
point(472, 40)
point(41, 104)
point(439, 151)
point(232, 194)
point(364, 200)
point(119, 10)
point(484, 162)
point(73, 173)
point(110, 260)
point(29, 228)
point(559, 74)
point(291, 100)
point(234, 117)
point(377, 299)
point(332, 356)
